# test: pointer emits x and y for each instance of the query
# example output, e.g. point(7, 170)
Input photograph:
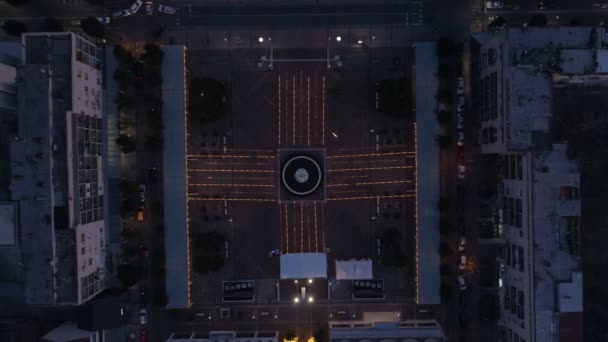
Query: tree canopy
point(538, 20)
point(497, 24)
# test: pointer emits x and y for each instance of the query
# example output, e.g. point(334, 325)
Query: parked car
point(121, 13)
point(142, 193)
point(143, 316)
point(462, 261)
point(149, 8)
point(460, 86)
point(461, 283)
point(461, 243)
point(460, 121)
point(166, 9)
point(460, 138)
point(461, 171)
point(104, 20)
point(494, 4)
point(136, 6)
point(460, 106)
point(143, 336)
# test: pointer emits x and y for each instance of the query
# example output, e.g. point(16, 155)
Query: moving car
point(461, 243)
point(462, 263)
point(143, 316)
point(149, 8)
point(459, 86)
point(121, 13)
point(166, 9)
point(136, 6)
point(494, 4)
point(103, 20)
point(461, 284)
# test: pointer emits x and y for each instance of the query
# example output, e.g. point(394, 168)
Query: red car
point(143, 336)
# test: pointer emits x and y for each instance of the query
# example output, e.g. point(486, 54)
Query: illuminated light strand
point(316, 234)
point(370, 155)
point(241, 178)
point(194, 156)
point(287, 226)
point(205, 162)
point(295, 236)
point(301, 227)
point(308, 111)
point(370, 148)
point(416, 215)
point(368, 197)
point(308, 233)
point(375, 161)
point(279, 110)
point(229, 170)
point(371, 168)
point(323, 113)
point(233, 199)
point(293, 105)
point(280, 228)
point(369, 183)
point(236, 149)
point(235, 185)
point(323, 226)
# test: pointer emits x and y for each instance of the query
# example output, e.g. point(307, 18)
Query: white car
point(461, 284)
point(166, 9)
point(103, 20)
point(462, 264)
point(149, 8)
point(143, 316)
point(461, 243)
point(459, 86)
point(121, 13)
point(142, 193)
point(494, 4)
point(136, 6)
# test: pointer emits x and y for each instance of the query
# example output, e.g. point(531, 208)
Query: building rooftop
point(571, 294)
point(408, 331)
point(427, 158)
point(8, 224)
point(553, 263)
point(67, 331)
point(32, 184)
point(174, 177)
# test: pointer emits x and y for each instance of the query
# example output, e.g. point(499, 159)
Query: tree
point(445, 292)
point(444, 141)
point(445, 47)
point(445, 270)
point(128, 189)
point(122, 77)
point(93, 27)
point(159, 297)
point(154, 78)
point(126, 125)
point(53, 25)
point(444, 117)
point(290, 335)
point(155, 120)
point(319, 335)
point(208, 252)
point(153, 54)
point(129, 274)
point(497, 24)
point(123, 55)
point(17, 3)
point(443, 203)
point(14, 28)
point(124, 102)
point(538, 20)
point(445, 226)
point(154, 142)
point(445, 250)
point(206, 99)
point(446, 70)
point(126, 143)
point(575, 22)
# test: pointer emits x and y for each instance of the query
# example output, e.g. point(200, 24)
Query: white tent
point(303, 265)
point(354, 269)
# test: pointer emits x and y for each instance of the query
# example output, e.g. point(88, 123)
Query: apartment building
point(515, 73)
point(57, 169)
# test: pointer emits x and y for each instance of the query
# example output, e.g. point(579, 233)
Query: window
point(82, 251)
point(520, 304)
point(514, 255)
point(507, 298)
point(568, 193)
point(82, 237)
point(90, 261)
point(513, 299)
point(520, 174)
point(508, 253)
point(520, 258)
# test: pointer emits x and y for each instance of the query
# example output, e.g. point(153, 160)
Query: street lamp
point(310, 281)
point(310, 299)
point(261, 39)
point(338, 38)
point(296, 300)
